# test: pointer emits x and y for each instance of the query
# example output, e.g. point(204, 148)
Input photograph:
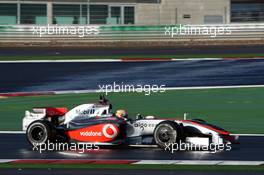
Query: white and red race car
point(95, 123)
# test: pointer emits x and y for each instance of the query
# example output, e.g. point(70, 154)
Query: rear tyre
point(167, 132)
point(40, 132)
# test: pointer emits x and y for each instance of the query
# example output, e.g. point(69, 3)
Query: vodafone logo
point(91, 133)
point(109, 131)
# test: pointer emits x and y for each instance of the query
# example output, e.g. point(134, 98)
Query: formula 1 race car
point(96, 123)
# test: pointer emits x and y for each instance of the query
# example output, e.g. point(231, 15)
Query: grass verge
point(200, 168)
point(239, 110)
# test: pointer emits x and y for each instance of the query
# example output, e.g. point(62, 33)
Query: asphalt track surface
point(15, 146)
point(68, 51)
point(28, 77)
point(47, 77)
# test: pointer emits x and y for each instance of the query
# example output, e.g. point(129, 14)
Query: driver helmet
point(121, 114)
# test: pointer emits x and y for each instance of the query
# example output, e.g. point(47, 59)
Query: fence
point(24, 33)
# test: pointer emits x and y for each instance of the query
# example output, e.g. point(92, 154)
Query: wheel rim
point(38, 134)
point(166, 134)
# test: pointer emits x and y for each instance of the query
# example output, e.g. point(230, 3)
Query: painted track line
point(23, 94)
point(7, 160)
point(126, 60)
point(214, 87)
point(14, 94)
point(132, 162)
point(64, 61)
point(12, 132)
point(145, 59)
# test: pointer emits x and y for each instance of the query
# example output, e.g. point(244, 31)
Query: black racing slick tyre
point(167, 132)
point(40, 132)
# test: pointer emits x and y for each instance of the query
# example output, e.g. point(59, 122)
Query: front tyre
point(167, 132)
point(39, 132)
